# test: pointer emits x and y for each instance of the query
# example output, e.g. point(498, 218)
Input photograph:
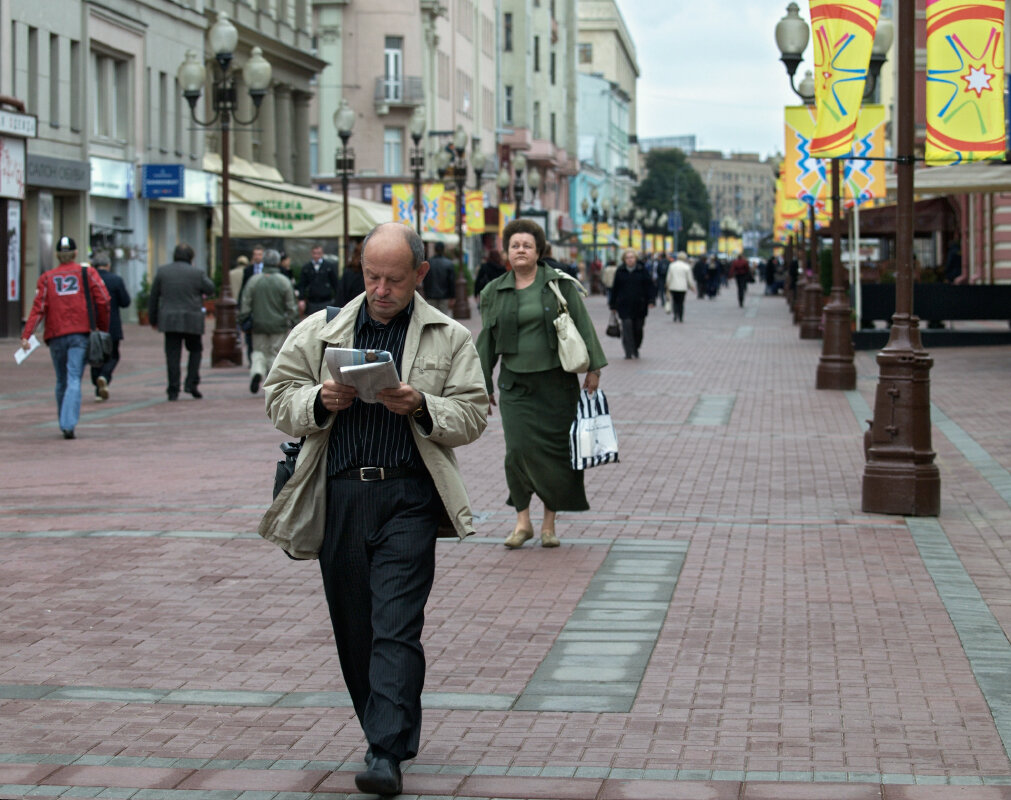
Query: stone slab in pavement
point(154, 647)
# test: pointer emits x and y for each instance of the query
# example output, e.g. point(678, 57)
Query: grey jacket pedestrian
point(177, 294)
point(270, 299)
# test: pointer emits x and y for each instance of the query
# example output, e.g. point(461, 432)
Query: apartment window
point(554, 128)
point(177, 102)
point(393, 79)
point(54, 80)
point(507, 32)
point(552, 66)
point(163, 105)
point(33, 68)
point(110, 96)
point(393, 151)
point(537, 119)
point(507, 111)
point(314, 150)
point(537, 54)
point(585, 53)
point(76, 95)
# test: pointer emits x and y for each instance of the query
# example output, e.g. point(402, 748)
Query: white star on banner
point(978, 81)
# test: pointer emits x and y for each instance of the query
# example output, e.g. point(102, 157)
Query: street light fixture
point(226, 348)
point(503, 181)
point(344, 163)
point(519, 165)
point(534, 182)
point(417, 129)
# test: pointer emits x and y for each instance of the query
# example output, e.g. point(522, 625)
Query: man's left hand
point(400, 401)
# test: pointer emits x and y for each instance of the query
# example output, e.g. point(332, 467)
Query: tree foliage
point(665, 171)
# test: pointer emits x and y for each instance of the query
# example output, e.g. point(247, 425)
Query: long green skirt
point(537, 410)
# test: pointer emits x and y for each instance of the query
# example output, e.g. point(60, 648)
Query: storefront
point(16, 128)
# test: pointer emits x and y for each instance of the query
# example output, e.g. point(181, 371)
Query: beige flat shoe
point(548, 538)
point(518, 537)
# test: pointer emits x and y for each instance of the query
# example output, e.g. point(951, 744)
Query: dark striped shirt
point(368, 434)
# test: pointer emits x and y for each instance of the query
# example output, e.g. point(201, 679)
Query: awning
point(260, 208)
point(929, 216)
point(984, 176)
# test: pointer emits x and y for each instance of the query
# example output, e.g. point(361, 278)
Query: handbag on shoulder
point(572, 350)
point(99, 342)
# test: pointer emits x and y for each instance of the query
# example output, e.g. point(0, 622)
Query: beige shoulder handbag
point(572, 350)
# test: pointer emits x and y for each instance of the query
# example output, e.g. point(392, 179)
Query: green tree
point(667, 171)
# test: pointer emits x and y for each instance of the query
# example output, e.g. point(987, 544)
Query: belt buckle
point(371, 473)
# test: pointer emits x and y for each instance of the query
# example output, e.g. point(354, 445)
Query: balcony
point(394, 92)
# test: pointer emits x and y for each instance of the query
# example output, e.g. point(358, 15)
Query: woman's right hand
point(491, 404)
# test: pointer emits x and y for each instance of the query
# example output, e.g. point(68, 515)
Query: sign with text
point(162, 180)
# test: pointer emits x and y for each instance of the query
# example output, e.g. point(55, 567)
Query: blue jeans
point(69, 354)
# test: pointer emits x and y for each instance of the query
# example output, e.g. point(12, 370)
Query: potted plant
point(141, 300)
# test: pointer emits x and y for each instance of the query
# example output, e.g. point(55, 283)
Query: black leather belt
point(376, 473)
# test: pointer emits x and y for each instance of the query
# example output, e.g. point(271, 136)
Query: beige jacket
point(439, 360)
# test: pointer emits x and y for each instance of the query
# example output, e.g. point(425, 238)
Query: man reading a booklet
point(376, 482)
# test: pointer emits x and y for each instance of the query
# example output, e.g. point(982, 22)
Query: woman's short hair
point(525, 226)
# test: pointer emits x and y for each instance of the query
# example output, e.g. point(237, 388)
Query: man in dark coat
point(318, 282)
point(632, 294)
point(440, 282)
point(119, 298)
point(175, 309)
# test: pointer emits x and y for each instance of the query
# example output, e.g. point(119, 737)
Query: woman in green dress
point(538, 398)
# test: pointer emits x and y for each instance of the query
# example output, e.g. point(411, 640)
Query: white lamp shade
point(256, 72)
point(883, 37)
point(191, 74)
point(519, 162)
point(417, 123)
point(534, 179)
point(478, 161)
point(442, 160)
point(594, 193)
point(662, 221)
point(605, 206)
point(502, 180)
point(460, 138)
point(223, 35)
point(792, 32)
point(806, 87)
point(344, 118)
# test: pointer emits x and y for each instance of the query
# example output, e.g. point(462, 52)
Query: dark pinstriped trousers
point(378, 564)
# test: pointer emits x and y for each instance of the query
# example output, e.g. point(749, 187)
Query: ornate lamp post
point(591, 211)
point(344, 163)
point(226, 348)
point(835, 368)
point(454, 164)
point(534, 182)
point(519, 165)
point(900, 476)
point(417, 128)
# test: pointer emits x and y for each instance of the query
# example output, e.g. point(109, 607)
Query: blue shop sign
point(162, 180)
point(387, 192)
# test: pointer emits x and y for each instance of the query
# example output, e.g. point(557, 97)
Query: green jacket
point(500, 332)
point(269, 298)
point(439, 361)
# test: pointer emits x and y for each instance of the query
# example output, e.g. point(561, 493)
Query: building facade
point(741, 187)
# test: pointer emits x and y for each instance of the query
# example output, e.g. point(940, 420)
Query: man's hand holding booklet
point(369, 371)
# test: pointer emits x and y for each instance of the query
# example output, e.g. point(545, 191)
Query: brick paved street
point(725, 622)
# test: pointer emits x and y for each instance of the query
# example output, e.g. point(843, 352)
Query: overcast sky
point(711, 68)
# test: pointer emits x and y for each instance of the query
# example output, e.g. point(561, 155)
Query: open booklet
point(369, 371)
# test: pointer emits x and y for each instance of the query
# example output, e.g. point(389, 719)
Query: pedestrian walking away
point(538, 398)
point(678, 282)
point(119, 298)
point(268, 305)
point(440, 282)
point(377, 482)
point(318, 282)
point(255, 267)
point(632, 295)
point(740, 271)
point(175, 308)
point(61, 305)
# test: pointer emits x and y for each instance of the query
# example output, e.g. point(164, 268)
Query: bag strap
point(87, 298)
point(564, 307)
point(332, 311)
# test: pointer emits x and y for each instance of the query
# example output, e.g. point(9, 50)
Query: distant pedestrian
point(318, 284)
point(632, 295)
point(713, 279)
point(269, 302)
point(490, 269)
point(740, 271)
point(679, 280)
point(119, 298)
point(700, 270)
point(60, 302)
point(440, 282)
point(176, 309)
point(255, 267)
point(352, 282)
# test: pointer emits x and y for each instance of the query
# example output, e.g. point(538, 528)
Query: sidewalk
point(725, 622)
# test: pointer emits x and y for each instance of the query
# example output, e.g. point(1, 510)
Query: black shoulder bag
point(99, 342)
point(286, 467)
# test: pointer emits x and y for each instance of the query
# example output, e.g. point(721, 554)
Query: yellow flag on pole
point(965, 81)
point(843, 38)
point(506, 214)
point(403, 203)
point(475, 211)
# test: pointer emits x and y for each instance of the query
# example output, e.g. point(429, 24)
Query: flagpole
point(900, 476)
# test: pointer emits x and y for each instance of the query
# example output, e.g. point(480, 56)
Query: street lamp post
point(455, 165)
point(534, 182)
point(591, 209)
point(900, 476)
point(417, 128)
point(519, 166)
point(344, 164)
point(226, 348)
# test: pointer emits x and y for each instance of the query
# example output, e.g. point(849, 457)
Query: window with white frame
point(110, 92)
point(394, 67)
point(393, 151)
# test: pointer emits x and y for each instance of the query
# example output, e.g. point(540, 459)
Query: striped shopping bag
point(592, 440)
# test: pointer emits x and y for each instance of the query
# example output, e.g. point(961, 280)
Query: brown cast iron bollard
point(835, 367)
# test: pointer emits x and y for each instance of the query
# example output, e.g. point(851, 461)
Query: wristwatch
point(421, 410)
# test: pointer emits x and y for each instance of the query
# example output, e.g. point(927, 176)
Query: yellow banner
point(965, 81)
point(403, 203)
point(808, 178)
point(696, 247)
point(637, 240)
point(623, 238)
point(668, 244)
point(843, 32)
point(475, 212)
point(506, 214)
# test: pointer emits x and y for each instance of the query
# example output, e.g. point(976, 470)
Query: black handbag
point(614, 327)
point(99, 342)
point(286, 468)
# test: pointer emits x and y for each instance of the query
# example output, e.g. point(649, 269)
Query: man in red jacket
point(60, 301)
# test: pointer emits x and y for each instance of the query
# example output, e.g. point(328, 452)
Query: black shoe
point(173, 396)
point(368, 757)
point(69, 434)
point(254, 384)
point(195, 392)
point(382, 777)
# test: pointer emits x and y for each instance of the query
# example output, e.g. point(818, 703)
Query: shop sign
point(111, 178)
